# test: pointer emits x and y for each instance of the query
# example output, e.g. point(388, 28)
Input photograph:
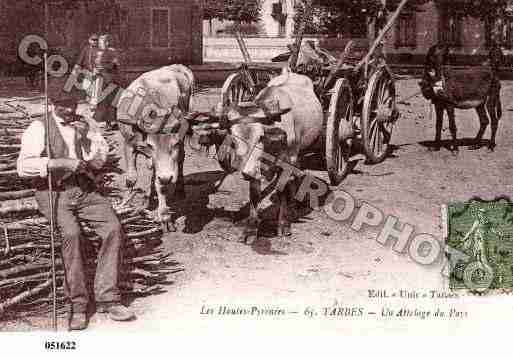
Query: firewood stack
point(25, 256)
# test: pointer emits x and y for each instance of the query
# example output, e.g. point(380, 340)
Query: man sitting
point(76, 149)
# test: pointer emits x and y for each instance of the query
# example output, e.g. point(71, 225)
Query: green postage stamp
point(479, 237)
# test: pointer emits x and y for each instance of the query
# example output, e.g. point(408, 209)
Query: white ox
point(151, 119)
point(253, 143)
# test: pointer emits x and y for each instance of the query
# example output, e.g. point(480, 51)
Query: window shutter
point(509, 39)
point(443, 27)
point(459, 29)
point(160, 28)
point(181, 32)
point(124, 22)
point(412, 30)
point(138, 26)
point(488, 32)
point(406, 31)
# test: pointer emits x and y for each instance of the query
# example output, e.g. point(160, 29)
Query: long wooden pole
point(242, 44)
point(382, 34)
point(50, 198)
point(300, 34)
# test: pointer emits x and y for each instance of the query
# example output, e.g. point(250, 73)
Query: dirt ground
point(324, 264)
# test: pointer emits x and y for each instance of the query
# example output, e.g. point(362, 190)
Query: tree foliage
point(482, 9)
point(244, 11)
point(71, 4)
point(337, 16)
point(332, 16)
point(213, 9)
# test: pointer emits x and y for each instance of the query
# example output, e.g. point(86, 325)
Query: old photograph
point(256, 166)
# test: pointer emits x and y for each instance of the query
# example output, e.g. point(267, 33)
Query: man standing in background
point(85, 62)
point(106, 69)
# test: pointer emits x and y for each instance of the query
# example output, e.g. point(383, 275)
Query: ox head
point(249, 133)
point(163, 130)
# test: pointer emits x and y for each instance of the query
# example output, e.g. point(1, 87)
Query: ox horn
point(273, 111)
point(267, 113)
point(276, 113)
point(192, 117)
point(208, 118)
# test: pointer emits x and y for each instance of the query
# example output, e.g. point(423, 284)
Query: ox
point(265, 141)
point(475, 87)
point(151, 116)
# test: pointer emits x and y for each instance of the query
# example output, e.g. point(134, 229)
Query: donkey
point(475, 87)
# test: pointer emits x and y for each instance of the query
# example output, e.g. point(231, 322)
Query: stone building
point(408, 40)
point(148, 32)
point(415, 32)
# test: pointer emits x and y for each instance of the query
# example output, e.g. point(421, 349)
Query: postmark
point(483, 232)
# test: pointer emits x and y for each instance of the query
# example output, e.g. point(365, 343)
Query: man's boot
point(116, 311)
point(77, 321)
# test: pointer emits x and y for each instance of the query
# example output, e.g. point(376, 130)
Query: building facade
point(147, 32)
point(408, 40)
point(276, 20)
point(415, 32)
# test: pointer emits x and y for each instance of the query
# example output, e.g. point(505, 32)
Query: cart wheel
point(339, 131)
point(378, 116)
point(235, 90)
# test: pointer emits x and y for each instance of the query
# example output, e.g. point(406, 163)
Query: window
point(501, 31)
point(406, 31)
point(279, 13)
point(282, 29)
point(160, 27)
point(123, 34)
point(450, 31)
point(358, 25)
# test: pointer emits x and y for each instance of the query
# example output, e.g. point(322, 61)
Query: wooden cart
point(357, 92)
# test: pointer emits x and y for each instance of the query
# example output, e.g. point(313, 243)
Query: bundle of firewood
point(25, 247)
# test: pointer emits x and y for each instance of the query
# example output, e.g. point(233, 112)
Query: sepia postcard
point(311, 168)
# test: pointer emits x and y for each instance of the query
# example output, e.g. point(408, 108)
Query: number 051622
point(49, 345)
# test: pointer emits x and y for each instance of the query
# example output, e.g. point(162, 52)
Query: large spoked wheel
point(378, 116)
point(236, 89)
point(339, 132)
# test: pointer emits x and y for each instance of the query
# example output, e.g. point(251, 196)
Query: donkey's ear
point(446, 51)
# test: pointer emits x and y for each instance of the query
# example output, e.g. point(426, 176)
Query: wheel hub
point(385, 114)
point(346, 131)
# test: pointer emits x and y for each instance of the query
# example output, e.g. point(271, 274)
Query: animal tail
point(495, 104)
point(496, 57)
point(499, 108)
point(496, 90)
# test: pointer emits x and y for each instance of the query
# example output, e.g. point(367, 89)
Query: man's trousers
point(71, 205)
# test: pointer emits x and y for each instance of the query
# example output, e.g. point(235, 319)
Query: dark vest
point(58, 149)
point(86, 59)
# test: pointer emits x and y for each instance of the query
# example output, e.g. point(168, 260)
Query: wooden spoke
point(378, 107)
point(339, 128)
